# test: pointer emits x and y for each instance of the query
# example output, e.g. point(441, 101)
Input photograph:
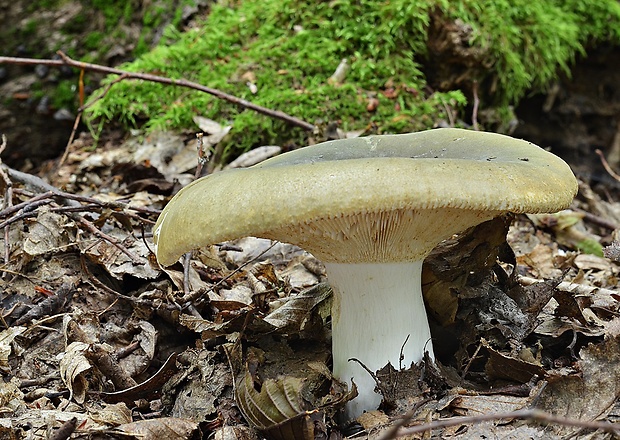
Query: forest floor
point(100, 341)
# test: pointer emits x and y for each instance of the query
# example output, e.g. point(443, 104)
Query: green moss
point(529, 41)
point(291, 47)
point(65, 95)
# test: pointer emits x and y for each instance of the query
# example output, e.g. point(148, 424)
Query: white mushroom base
point(376, 308)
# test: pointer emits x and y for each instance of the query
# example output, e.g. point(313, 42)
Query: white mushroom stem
point(376, 308)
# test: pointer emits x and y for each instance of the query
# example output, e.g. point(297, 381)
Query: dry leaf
point(254, 156)
point(6, 339)
point(298, 310)
point(590, 394)
point(73, 365)
point(48, 233)
point(158, 429)
point(111, 414)
point(235, 433)
point(278, 409)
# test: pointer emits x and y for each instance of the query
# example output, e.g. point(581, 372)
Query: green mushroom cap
point(370, 199)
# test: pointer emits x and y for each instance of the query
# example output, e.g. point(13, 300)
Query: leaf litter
point(525, 315)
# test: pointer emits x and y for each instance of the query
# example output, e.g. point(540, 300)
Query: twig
point(598, 220)
point(393, 430)
point(471, 360)
point(38, 184)
point(113, 241)
point(27, 204)
point(8, 202)
point(67, 199)
point(66, 61)
point(611, 172)
point(474, 112)
point(527, 414)
point(202, 157)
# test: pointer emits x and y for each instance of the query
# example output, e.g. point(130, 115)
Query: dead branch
point(66, 61)
point(526, 414)
point(8, 200)
point(113, 241)
point(474, 113)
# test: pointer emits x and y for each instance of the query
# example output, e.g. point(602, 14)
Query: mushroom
point(371, 209)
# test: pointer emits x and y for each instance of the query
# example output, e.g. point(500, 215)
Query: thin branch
point(611, 172)
point(8, 202)
point(527, 414)
point(474, 113)
point(66, 61)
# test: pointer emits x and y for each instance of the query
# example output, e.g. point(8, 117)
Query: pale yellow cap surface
point(377, 198)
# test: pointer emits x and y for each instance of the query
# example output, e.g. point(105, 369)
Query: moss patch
point(289, 49)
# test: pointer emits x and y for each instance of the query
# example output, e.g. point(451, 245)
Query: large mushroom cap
point(368, 199)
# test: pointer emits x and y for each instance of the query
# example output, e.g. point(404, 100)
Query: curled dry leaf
point(157, 429)
point(73, 365)
point(277, 409)
point(296, 314)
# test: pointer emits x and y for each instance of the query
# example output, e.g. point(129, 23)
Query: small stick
point(96, 231)
point(474, 112)
point(611, 172)
point(66, 61)
point(8, 203)
point(527, 414)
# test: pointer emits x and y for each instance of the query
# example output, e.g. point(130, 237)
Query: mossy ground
point(289, 49)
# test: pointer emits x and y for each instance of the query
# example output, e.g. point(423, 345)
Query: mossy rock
point(412, 63)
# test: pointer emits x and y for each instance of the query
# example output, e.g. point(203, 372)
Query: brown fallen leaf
point(168, 428)
point(277, 409)
point(149, 389)
point(592, 392)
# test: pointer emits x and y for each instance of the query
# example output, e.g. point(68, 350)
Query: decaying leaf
point(613, 251)
point(73, 365)
point(242, 321)
point(157, 429)
point(111, 414)
point(591, 392)
point(277, 409)
point(500, 366)
point(49, 306)
point(459, 263)
point(297, 312)
point(6, 338)
point(149, 389)
point(118, 263)
point(11, 396)
point(48, 233)
point(235, 433)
